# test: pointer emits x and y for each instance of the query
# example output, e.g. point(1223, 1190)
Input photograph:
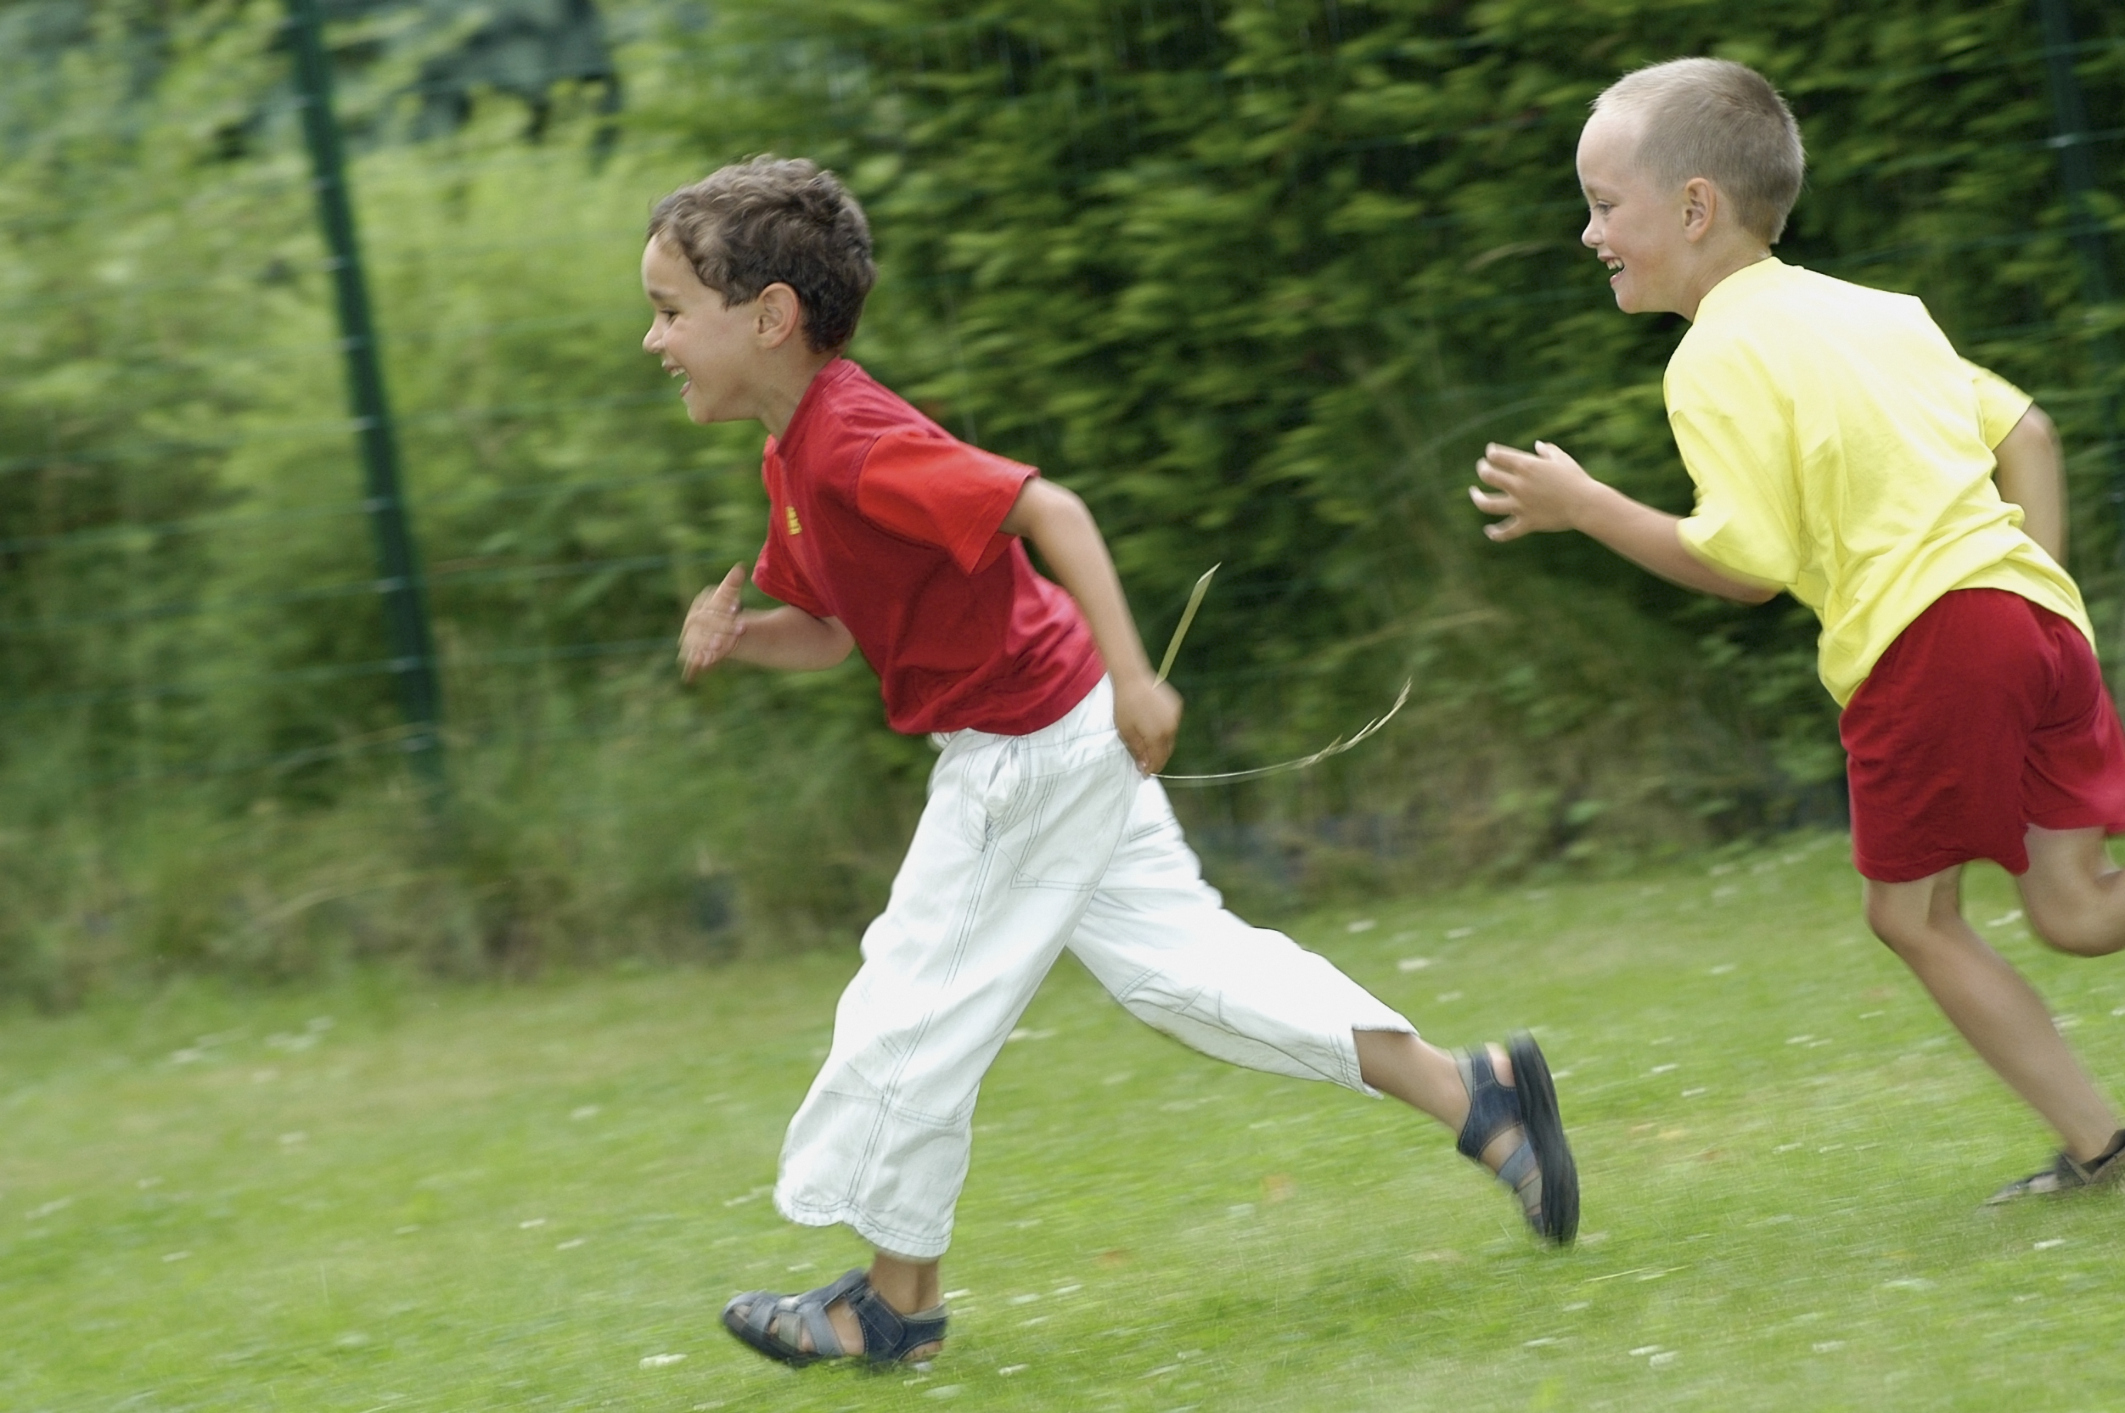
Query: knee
point(1898, 930)
point(2082, 931)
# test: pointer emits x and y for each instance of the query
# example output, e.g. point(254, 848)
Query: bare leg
point(1426, 1078)
point(2074, 894)
point(1998, 1012)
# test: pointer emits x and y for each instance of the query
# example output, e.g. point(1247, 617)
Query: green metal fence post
point(399, 585)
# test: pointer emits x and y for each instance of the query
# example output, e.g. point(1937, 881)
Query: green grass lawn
point(385, 1197)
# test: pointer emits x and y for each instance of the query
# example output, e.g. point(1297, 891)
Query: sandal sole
point(1545, 1131)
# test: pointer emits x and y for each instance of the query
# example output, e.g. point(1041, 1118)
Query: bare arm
point(2032, 475)
point(786, 638)
point(1547, 490)
point(1147, 713)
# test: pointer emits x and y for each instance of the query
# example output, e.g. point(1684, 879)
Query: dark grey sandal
point(1540, 1171)
point(2068, 1174)
point(889, 1337)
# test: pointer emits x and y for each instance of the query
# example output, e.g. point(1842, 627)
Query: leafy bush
point(1257, 279)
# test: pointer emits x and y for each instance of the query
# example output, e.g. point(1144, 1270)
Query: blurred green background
point(1256, 277)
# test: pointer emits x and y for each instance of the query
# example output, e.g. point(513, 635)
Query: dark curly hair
point(767, 220)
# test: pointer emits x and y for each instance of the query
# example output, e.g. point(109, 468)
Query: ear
point(778, 316)
point(1700, 207)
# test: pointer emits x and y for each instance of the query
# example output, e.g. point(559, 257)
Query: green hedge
point(1256, 278)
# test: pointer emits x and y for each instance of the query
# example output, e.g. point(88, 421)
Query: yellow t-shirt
point(1842, 451)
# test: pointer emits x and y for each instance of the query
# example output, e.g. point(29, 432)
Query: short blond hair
point(1717, 119)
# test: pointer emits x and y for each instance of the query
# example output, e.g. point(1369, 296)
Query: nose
point(1590, 237)
point(649, 339)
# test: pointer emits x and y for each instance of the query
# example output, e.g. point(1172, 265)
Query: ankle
point(907, 1287)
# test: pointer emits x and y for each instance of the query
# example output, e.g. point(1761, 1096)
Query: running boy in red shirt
point(1843, 452)
point(1044, 829)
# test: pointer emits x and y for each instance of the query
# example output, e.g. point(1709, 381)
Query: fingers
point(712, 626)
point(1147, 718)
point(1511, 527)
point(1150, 752)
point(1514, 459)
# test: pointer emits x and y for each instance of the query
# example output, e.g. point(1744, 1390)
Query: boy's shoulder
point(848, 396)
point(845, 410)
point(1773, 316)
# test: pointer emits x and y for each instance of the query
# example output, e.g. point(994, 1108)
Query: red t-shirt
point(878, 517)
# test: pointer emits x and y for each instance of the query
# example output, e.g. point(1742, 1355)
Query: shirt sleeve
point(1737, 442)
point(2000, 404)
point(938, 491)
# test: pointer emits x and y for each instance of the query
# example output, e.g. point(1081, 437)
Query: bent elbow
point(2034, 432)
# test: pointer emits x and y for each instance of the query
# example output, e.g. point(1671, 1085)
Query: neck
point(782, 392)
point(1718, 265)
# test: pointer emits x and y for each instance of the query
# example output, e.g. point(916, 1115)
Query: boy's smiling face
point(1640, 231)
point(695, 335)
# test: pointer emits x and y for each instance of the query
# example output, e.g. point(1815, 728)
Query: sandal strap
point(1514, 1171)
point(1491, 1106)
point(888, 1335)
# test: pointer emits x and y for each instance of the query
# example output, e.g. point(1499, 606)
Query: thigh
point(1001, 869)
point(2074, 769)
point(1936, 737)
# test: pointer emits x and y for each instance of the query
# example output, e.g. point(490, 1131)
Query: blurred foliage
point(1258, 279)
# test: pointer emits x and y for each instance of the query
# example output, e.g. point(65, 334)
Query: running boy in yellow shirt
point(1843, 453)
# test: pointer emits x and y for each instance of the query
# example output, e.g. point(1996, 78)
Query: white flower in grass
point(661, 1361)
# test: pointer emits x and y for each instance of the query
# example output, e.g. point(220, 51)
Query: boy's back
point(1841, 447)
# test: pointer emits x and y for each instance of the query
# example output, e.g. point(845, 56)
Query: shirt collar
point(1739, 283)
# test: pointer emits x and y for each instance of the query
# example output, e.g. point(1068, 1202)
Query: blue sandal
point(1540, 1171)
point(888, 1336)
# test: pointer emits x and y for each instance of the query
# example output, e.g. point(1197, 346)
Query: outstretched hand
point(713, 625)
point(1148, 716)
point(1542, 490)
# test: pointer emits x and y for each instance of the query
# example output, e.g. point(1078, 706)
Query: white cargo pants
point(1030, 844)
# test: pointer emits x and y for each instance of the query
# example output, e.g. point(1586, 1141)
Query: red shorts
point(1985, 716)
